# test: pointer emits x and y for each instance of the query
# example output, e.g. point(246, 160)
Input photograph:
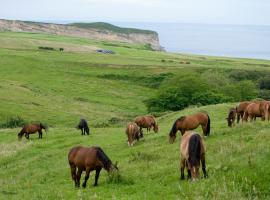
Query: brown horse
point(31, 129)
point(133, 133)
point(252, 111)
point(88, 159)
point(231, 117)
point(265, 109)
point(147, 122)
point(192, 152)
point(191, 122)
point(240, 109)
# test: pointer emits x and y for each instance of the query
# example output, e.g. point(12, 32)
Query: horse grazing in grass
point(191, 122)
point(83, 126)
point(133, 133)
point(31, 129)
point(265, 109)
point(252, 111)
point(147, 122)
point(240, 109)
point(231, 117)
point(192, 152)
point(88, 159)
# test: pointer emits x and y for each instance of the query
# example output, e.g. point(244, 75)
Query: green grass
point(58, 88)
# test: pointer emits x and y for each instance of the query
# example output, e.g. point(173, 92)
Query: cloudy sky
point(255, 12)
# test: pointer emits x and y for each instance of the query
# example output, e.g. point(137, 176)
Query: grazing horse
point(88, 159)
point(192, 152)
point(83, 126)
point(31, 129)
point(147, 122)
point(240, 109)
point(231, 117)
point(133, 133)
point(252, 111)
point(191, 122)
point(265, 109)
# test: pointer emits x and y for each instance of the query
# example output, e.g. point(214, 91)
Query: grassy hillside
point(58, 88)
point(110, 27)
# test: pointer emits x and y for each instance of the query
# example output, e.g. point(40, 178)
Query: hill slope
point(97, 31)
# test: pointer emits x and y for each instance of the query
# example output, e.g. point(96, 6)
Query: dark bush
point(13, 122)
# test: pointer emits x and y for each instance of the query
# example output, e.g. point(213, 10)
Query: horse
point(88, 159)
point(192, 152)
point(252, 111)
point(265, 109)
point(147, 122)
point(231, 117)
point(191, 122)
point(133, 133)
point(83, 126)
point(31, 129)
point(240, 109)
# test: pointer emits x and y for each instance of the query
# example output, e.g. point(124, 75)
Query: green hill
point(110, 27)
point(58, 88)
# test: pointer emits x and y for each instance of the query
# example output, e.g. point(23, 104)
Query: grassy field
point(108, 90)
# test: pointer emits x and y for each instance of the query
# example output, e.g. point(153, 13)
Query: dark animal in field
point(147, 122)
point(83, 126)
point(133, 133)
point(105, 51)
point(46, 48)
point(240, 109)
point(231, 117)
point(61, 49)
point(88, 159)
point(31, 129)
point(191, 122)
point(192, 153)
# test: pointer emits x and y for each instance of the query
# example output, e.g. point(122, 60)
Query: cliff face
point(90, 33)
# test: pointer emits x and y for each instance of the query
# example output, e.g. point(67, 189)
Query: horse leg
point(73, 173)
point(79, 173)
point(182, 168)
point(82, 130)
point(182, 131)
point(87, 172)
point(27, 136)
point(97, 175)
point(203, 166)
point(40, 134)
point(238, 117)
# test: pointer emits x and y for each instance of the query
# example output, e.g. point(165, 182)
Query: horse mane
point(174, 127)
point(103, 158)
point(194, 150)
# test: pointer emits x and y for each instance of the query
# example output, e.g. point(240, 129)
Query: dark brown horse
point(192, 152)
point(88, 159)
point(83, 126)
point(231, 117)
point(240, 109)
point(191, 122)
point(147, 122)
point(133, 133)
point(31, 129)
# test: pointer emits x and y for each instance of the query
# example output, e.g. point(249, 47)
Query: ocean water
point(243, 41)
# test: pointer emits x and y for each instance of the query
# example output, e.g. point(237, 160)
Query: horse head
point(155, 127)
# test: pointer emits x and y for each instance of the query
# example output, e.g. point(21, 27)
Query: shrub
point(13, 122)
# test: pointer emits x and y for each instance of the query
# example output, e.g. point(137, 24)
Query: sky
point(254, 12)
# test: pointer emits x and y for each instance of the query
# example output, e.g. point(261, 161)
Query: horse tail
point(103, 158)
point(208, 126)
point(194, 150)
point(42, 126)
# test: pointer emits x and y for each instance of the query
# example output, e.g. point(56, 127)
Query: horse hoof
point(95, 185)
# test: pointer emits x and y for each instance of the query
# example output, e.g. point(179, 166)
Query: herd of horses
point(249, 110)
point(192, 147)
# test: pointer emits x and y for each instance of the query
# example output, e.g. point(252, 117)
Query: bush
point(13, 122)
point(199, 89)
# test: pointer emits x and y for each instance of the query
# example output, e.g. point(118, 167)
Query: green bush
point(193, 88)
point(13, 122)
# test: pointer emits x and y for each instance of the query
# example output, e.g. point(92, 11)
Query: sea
point(242, 41)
